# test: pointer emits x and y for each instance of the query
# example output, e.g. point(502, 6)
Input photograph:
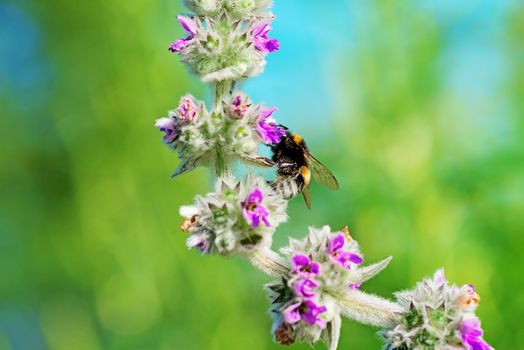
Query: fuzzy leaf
point(334, 332)
point(370, 271)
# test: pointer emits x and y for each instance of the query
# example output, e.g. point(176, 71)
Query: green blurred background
point(416, 106)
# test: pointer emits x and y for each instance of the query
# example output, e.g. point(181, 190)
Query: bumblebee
point(296, 166)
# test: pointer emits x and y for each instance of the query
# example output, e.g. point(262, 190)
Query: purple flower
point(239, 106)
point(472, 335)
point(336, 243)
point(254, 211)
point(200, 243)
point(340, 256)
point(304, 266)
point(187, 110)
point(190, 27)
point(267, 128)
point(292, 313)
point(307, 311)
point(355, 286)
point(310, 311)
point(168, 126)
point(305, 287)
point(262, 42)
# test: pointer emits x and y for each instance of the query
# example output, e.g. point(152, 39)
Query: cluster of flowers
point(226, 40)
point(437, 316)
point(236, 9)
point(235, 127)
point(305, 303)
point(239, 218)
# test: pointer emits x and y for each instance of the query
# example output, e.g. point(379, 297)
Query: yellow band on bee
point(297, 138)
point(306, 174)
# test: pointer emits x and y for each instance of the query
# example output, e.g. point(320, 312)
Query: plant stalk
point(362, 307)
point(222, 91)
point(269, 262)
point(369, 309)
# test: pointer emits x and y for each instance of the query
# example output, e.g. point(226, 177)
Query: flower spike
point(318, 279)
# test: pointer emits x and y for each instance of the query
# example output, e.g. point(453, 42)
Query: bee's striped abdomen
point(288, 186)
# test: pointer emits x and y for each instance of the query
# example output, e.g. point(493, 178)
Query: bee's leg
point(259, 161)
point(285, 165)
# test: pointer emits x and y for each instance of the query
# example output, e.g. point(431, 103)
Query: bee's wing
point(307, 196)
point(320, 173)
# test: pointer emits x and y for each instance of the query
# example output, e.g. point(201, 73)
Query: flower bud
point(437, 315)
point(240, 217)
point(239, 106)
point(306, 303)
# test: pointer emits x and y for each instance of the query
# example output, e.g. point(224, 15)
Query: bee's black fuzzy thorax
point(291, 152)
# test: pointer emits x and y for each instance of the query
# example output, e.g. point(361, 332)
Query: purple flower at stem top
point(304, 266)
point(305, 287)
point(168, 126)
point(190, 27)
point(267, 128)
point(187, 110)
point(338, 255)
point(261, 40)
point(254, 211)
point(306, 311)
point(472, 335)
point(239, 106)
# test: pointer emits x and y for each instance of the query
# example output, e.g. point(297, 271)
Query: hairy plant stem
point(368, 308)
point(222, 90)
point(269, 262)
point(362, 307)
point(221, 167)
